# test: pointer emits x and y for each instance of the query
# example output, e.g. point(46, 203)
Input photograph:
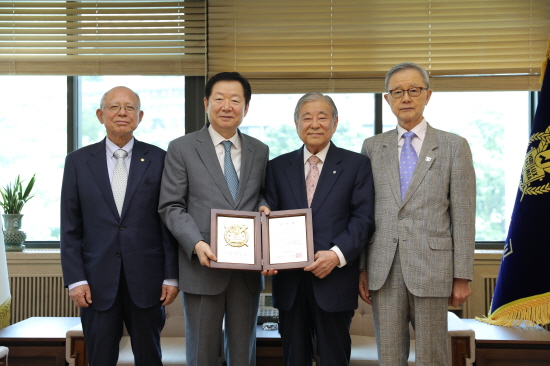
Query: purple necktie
point(407, 162)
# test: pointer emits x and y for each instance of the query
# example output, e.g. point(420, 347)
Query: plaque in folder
point(253, 241)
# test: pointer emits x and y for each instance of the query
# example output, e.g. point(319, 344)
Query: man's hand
point(168, 294)
point(363, 288)
point(325, 261)
point(265, 210)
point(205, 254)
point(269, 272)
point(81, 296)
point(461, 291)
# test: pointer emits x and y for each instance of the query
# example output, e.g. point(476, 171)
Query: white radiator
point(489, 290)
point(40, 296)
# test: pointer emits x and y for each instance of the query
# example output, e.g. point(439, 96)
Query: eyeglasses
point(115, 108)
point(413, 92)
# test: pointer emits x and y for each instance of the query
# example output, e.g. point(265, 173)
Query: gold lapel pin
point(142, 159)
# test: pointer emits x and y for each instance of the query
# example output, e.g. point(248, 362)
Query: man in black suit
point(119, 260)
point(337, 185)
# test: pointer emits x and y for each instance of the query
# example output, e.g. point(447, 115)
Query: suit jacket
point(434, 225)
point(95, 240)
point(192, 184)
point(342, 215)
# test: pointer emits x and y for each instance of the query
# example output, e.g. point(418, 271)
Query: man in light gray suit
point(217, 167)
point(420, 258)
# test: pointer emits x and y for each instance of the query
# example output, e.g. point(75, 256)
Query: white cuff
point(340, 255)
point(76, 284)
point(171, 282)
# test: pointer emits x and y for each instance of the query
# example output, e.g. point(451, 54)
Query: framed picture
point(236, 239)
point(287, 238)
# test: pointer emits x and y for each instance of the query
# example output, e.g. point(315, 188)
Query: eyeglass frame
point(108, 107)
point(407, 91)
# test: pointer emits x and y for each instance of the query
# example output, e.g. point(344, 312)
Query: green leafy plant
point(14, 196)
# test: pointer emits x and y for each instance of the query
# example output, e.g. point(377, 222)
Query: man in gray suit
point(216, 167)
point(420, 258)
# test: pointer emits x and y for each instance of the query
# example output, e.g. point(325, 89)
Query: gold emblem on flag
point(236, 235)
point(536, 165)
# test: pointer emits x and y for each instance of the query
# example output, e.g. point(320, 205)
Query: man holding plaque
point(217, 167)
point(337, 185)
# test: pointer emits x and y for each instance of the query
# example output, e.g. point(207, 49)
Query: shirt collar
point(111, 147)
point(322, 155)
point(217, 138)
point(419, 130)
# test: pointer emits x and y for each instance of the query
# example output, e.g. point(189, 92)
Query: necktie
point(312, 178)
point(407, 162)
point(120, 179)
point(229, 170)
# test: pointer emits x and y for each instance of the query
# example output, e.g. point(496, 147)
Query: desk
point(37, 341)
point(510, 346)
point(269, 347)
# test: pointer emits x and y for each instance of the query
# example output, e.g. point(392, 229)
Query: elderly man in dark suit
point(337, 185)
point(217, 167)
point(421, 256)
point(118, 258)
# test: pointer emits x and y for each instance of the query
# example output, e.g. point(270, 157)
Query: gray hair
point(314, 97)
point(405, 66)
point(104, 97)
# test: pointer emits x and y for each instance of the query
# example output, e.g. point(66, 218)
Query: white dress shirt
point(420, 132)
point(236, 150)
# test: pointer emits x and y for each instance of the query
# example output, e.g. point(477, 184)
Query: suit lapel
point(207, 153)
point(330, 173)
point(98, 165)
point(247, 158)
point(425, 160)
point(390, 160)
point(138, 166)
point(295, 175)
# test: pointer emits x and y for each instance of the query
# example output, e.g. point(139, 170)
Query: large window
point(162, 101)
point(33, 133)
point(33, 128)
point(496, 124)
point(270, 118)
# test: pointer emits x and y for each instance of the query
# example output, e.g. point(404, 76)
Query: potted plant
point(13, 198)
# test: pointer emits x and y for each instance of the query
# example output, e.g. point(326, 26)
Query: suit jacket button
point(394, 240)
point(118, 254)
point(121, 227)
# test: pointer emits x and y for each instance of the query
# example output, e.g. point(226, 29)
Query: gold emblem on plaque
point(536, 165)
point(236, 235)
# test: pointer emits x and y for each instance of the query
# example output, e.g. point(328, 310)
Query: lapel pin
point(334, 172)
point(142, 159)
point(428, 158)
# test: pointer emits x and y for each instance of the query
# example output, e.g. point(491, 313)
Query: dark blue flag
point(522, 292)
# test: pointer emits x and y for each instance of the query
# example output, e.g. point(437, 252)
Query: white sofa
point(363, 351)
point(3, 355)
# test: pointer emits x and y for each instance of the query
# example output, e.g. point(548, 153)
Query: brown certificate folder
point(253, 241)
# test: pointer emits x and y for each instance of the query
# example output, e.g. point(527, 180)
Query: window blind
point(348, 46)
point(86, 37)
